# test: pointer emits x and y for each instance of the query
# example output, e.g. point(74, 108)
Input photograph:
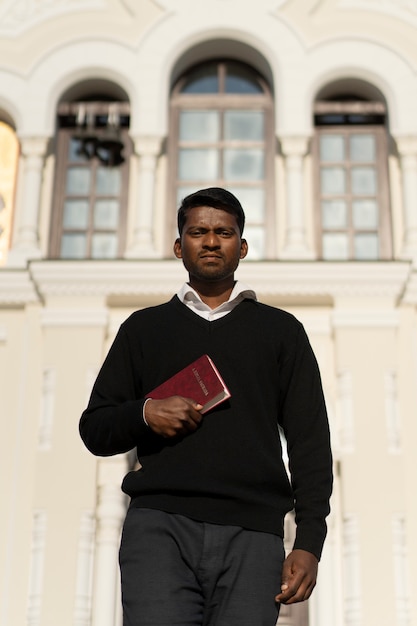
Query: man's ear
point(177, 248)
point(243, 248)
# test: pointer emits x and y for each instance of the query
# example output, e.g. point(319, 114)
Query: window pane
point(333, 180)
point(104, 246)
point(246, 125)
point(75, 150)
point(240, 79)
point(243, 164)
point(75, 214)
point(78, 181)
point(199, 126)
point(362, 148)
point(365, 214)
point(106, 214)
point(202, 80)
point(332, 148)
point(108, 181)
point(196, 164)
point(366, 246)
point(255, 236)
point(335, 246)
point(74, 246)
point(334, 214)
point(363, 180)
point(253, 202)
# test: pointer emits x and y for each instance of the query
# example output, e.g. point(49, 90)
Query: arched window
point(222, 135)
point(352, 176)
point(91, 182)
point(9, 152)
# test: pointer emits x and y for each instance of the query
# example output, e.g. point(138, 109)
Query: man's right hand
point(174, 416)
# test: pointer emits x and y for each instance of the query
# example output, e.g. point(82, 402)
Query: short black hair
point(215, 197)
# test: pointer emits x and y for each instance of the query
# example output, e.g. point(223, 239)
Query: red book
point(199, 381)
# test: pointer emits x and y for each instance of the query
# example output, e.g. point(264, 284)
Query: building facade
point(110, 112)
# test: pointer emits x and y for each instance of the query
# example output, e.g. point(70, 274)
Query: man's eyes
point(198, 232)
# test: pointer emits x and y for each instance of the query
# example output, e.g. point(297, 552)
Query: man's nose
point(211, 240)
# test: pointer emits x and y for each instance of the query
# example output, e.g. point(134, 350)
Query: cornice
point(410, 291)
point(106, 278)
point(327, 279)
point(275, 279)
point(17, 288)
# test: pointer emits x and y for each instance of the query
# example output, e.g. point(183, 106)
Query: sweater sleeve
point(113, 422)
point(305, 424)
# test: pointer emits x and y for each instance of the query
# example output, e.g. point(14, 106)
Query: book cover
point(200, 381)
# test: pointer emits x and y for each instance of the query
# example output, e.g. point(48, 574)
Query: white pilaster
point(46, 421)
point(294, 150)
point(36, 578)
point(143, 245)
point(352, 579)
point(110, 513)
point(400, 573)
point(407, 148)
point(83, 581)
point(25, 244)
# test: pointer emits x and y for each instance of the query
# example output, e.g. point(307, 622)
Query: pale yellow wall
point(62, 317)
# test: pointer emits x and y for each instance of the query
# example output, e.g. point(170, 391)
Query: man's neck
point(213, 295)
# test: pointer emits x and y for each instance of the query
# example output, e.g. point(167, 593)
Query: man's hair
point(215, 197)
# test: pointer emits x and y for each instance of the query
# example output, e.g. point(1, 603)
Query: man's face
point(210, 245)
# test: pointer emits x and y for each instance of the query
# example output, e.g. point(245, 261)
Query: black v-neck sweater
point(229, 471)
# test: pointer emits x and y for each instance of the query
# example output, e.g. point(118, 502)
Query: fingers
point(299, 575)
point(298, 590)
point(174, 416)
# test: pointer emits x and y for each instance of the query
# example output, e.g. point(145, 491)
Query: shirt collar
point(240, 291)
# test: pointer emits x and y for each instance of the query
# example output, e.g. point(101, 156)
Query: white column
point(110, 513)
point(407, 149)
point(25, 244)
point(294, 150)
point(143, 245)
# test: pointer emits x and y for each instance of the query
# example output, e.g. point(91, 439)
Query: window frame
point(221, 102)
point(62, 164)
point(379, 131)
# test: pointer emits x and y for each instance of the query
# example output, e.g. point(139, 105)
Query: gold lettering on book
point(200, 382)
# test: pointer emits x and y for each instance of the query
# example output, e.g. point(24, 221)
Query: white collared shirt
point(190, 298)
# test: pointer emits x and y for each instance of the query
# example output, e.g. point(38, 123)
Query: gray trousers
point(176, 571)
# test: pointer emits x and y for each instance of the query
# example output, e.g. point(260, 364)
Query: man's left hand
point(299, 575)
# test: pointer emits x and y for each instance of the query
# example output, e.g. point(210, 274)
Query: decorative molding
point(402, 9)
point(162, 278)
point(410, 291)
point(185, 6)
point(325, 279)
point(16, 288)
point(17, 16)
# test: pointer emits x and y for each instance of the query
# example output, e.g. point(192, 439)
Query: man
point(202, 540)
